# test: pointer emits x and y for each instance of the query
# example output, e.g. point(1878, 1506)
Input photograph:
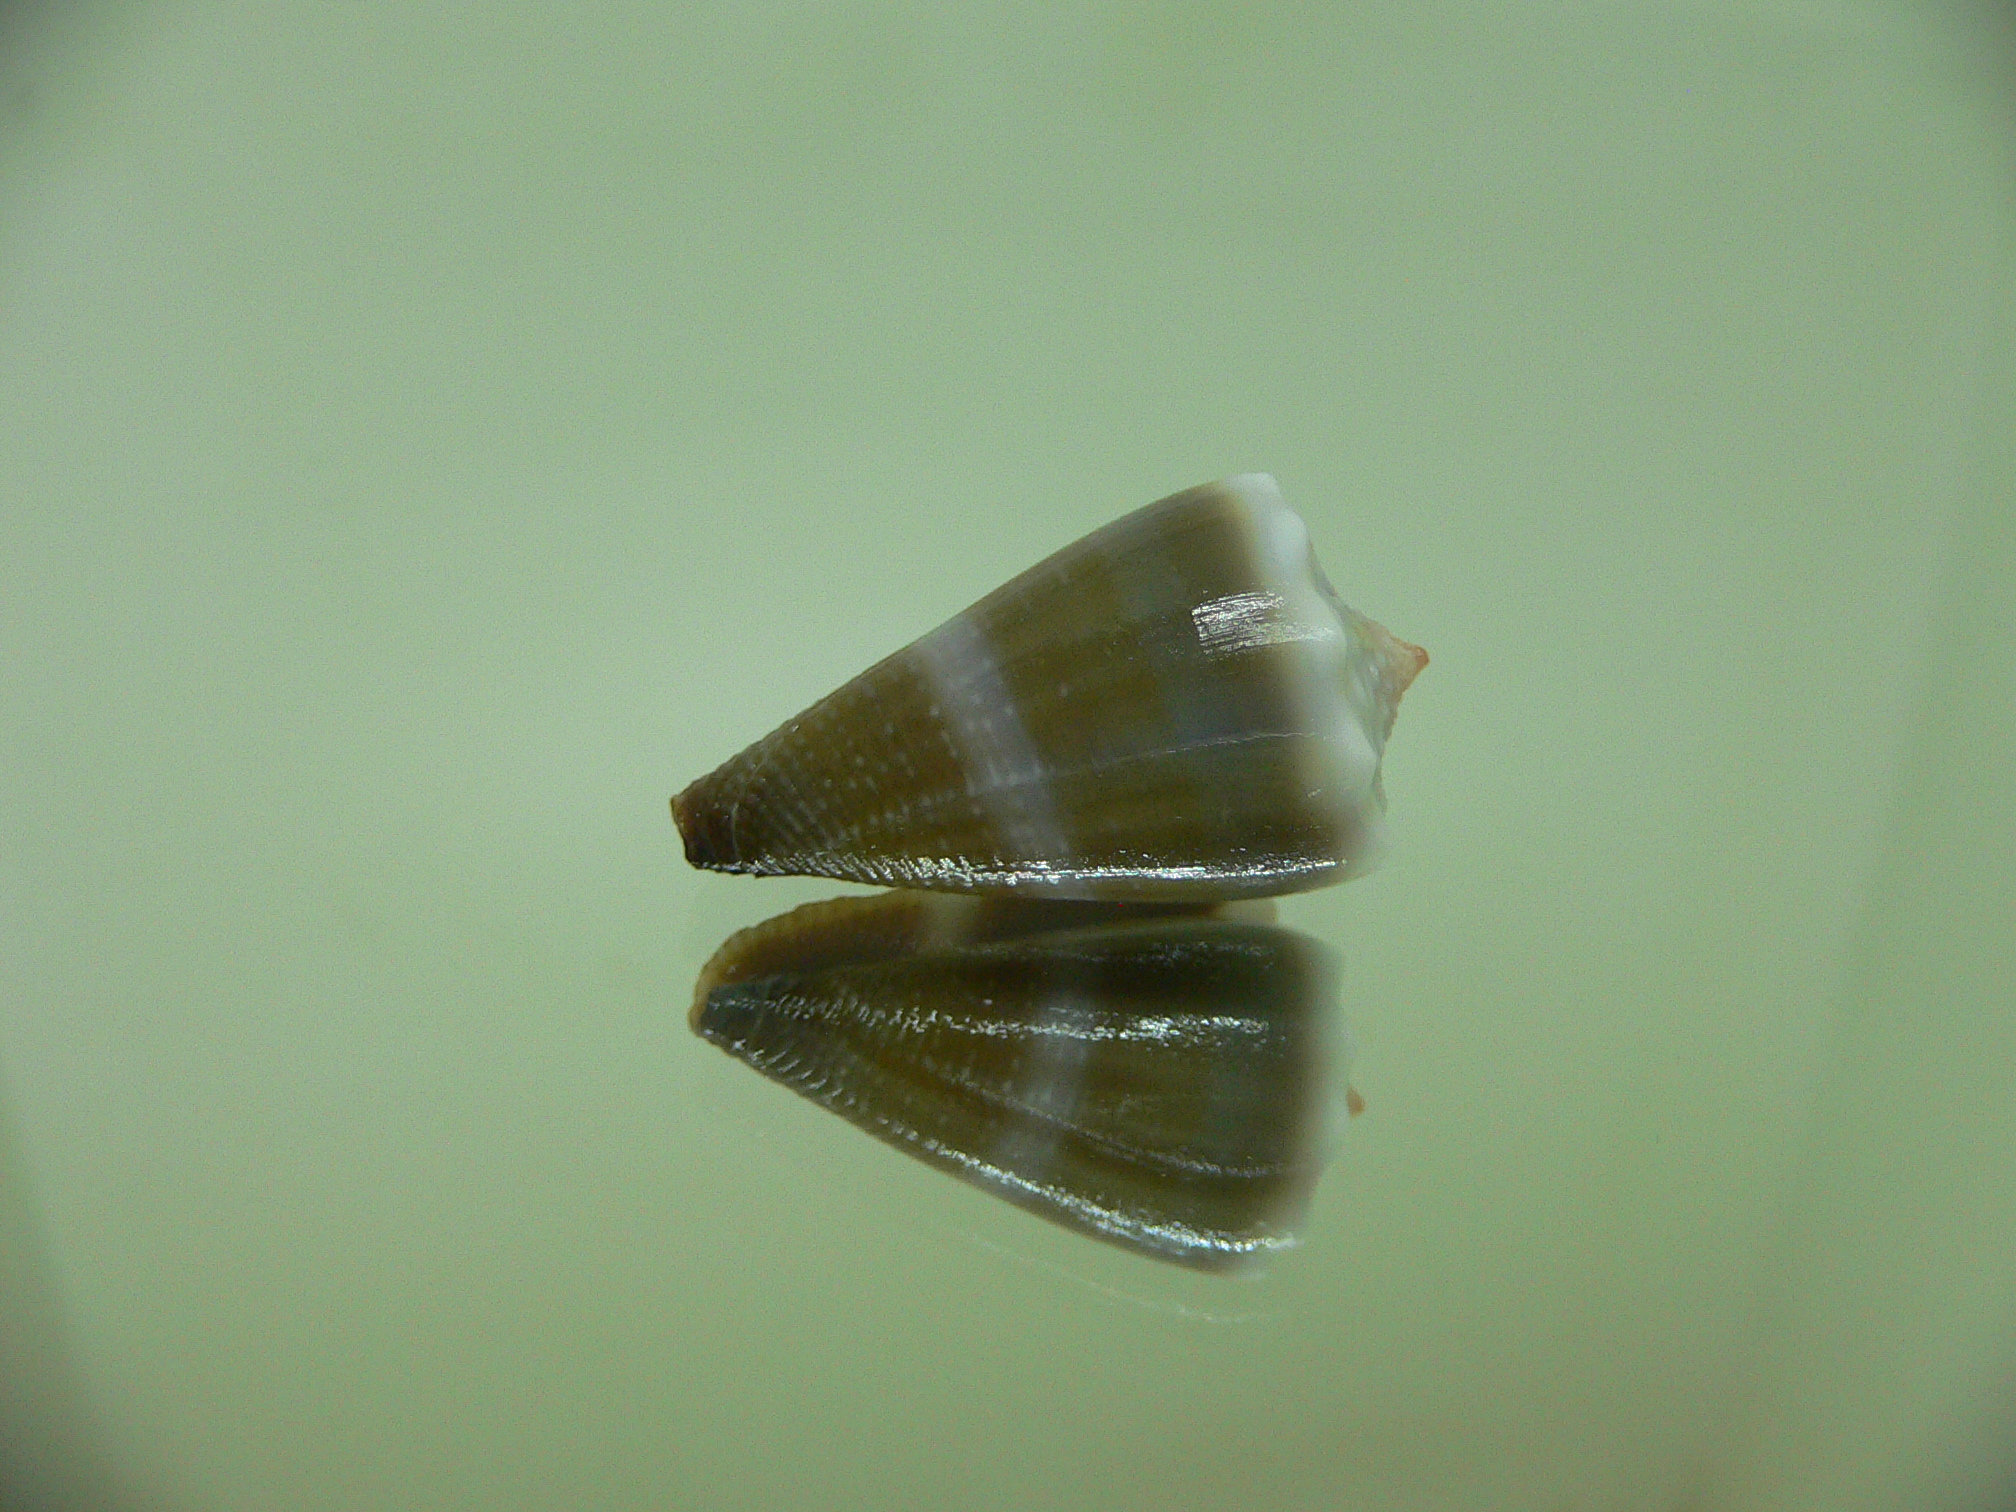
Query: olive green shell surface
point(1176, 707)
point(1161, 1082)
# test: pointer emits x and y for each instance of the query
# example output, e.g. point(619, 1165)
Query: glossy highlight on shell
point(1176, 708)
point(1155, 1077)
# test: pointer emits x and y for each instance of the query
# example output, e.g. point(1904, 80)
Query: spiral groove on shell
point(1105, 756)
point(1177, 708)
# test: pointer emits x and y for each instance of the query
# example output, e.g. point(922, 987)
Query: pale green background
point(430, 435)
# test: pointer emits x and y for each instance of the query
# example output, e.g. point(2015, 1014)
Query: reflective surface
point(1161, 1082)
point(433, 434)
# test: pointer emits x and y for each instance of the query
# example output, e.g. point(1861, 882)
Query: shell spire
point(1177, 707)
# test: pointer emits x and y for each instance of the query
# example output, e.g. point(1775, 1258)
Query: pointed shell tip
point(1411, 662)
point(1402, 660)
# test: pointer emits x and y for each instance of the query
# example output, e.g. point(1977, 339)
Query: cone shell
point(1158, 1080)
point(1177, 707)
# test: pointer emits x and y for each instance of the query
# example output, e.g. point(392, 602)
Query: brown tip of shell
point(1354, 1103)
point(1399, 662)
point(1407, 664)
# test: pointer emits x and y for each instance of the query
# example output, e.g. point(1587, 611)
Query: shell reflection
point(1176, 708)
point(1155, 1077)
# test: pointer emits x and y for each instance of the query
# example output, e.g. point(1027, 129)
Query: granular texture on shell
point(1176, 708)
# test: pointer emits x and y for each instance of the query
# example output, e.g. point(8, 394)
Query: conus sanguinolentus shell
point(1177, 707)
point(1156, 1077)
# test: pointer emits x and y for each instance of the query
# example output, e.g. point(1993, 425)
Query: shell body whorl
point(1175, 708)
